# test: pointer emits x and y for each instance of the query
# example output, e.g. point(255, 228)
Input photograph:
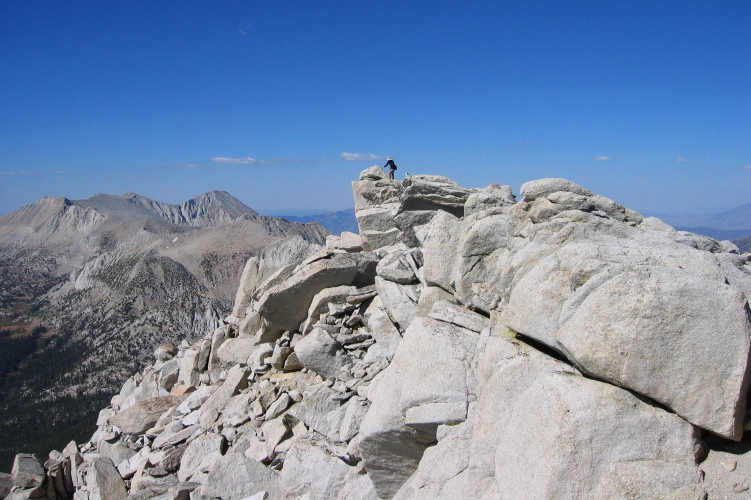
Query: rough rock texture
point(556, 347)
point(236, 477)
point(104, 482)
point(285, 306)
point(143, 415)
point(625, 303)
point(109, 279)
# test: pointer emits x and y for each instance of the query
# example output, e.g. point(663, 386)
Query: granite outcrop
point(465, 344)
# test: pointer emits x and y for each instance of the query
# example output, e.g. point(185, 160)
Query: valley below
point(90, 288)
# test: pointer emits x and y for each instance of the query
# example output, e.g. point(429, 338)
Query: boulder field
point(465, 344)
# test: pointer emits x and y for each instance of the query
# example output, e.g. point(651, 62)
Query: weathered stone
point(236, 350)
point(276, 278)
point(285, 306)
point(255, 448)
point(181, 390)
point(397, 268)
point(27, 472)
point(375, 194)
point(274, 431)
point(332, 242)
point(279, 356)
point(384, 331)
point(117, 452)
point(248, 282)
point(217, 339)
point(191, 418)
point(491, 197)
point(203, 347)
point(429, 416)
point(263, 351)
point(237, 477)
point(433, 192)
point(429, 295)
point(170, 437)
point(311, 471)
point(278, 407)
point(200, 454)
point(413, 225)
point(237, 379)
point(380, 239)
point(350, 242)
point(168, 374)
point(189, 367)
point(165, 352)
point(449, 312)
point(237, 410)
point(195, 399)
point(650, 322)
point(103, 482)
point(250, 324)
point(157, 485)
point(358, 486)
point(443, 235)
point(143, 415)
point(319, 352)
point(390, 450)
point(171, 462)
point(537, 415)
point(104, 416)
point(126, 468)
point(292, 363)
point(320, 411)
point(399, 300)
point(6, 483)
point(637, 431)
point(353, 416)
point(373, 173)
point(564, 258)
point(320, 304)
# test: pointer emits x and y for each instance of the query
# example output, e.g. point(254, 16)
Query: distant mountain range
point(734, 225)
point(91, 287)
point(336, 222)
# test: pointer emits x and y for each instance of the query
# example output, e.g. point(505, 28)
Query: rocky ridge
point(465, 345)
point(108, 279)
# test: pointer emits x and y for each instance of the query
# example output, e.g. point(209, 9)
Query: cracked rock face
point(556, 347)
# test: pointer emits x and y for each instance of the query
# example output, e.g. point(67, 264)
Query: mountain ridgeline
point(465, 344)
point(90, 287)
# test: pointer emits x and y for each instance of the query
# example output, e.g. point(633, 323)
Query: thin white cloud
point(681, 158)
point(241, 31)
point(244, 161)
point(16, 172)
point(184, 166)
point(361, 157)
point(252, 161)
point(747, 167)
point(602, 158)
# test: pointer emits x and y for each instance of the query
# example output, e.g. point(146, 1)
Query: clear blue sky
point(647, 102)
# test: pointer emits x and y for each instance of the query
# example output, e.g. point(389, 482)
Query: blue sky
point(646, 102)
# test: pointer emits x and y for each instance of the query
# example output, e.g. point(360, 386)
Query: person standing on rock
point(392, 167)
